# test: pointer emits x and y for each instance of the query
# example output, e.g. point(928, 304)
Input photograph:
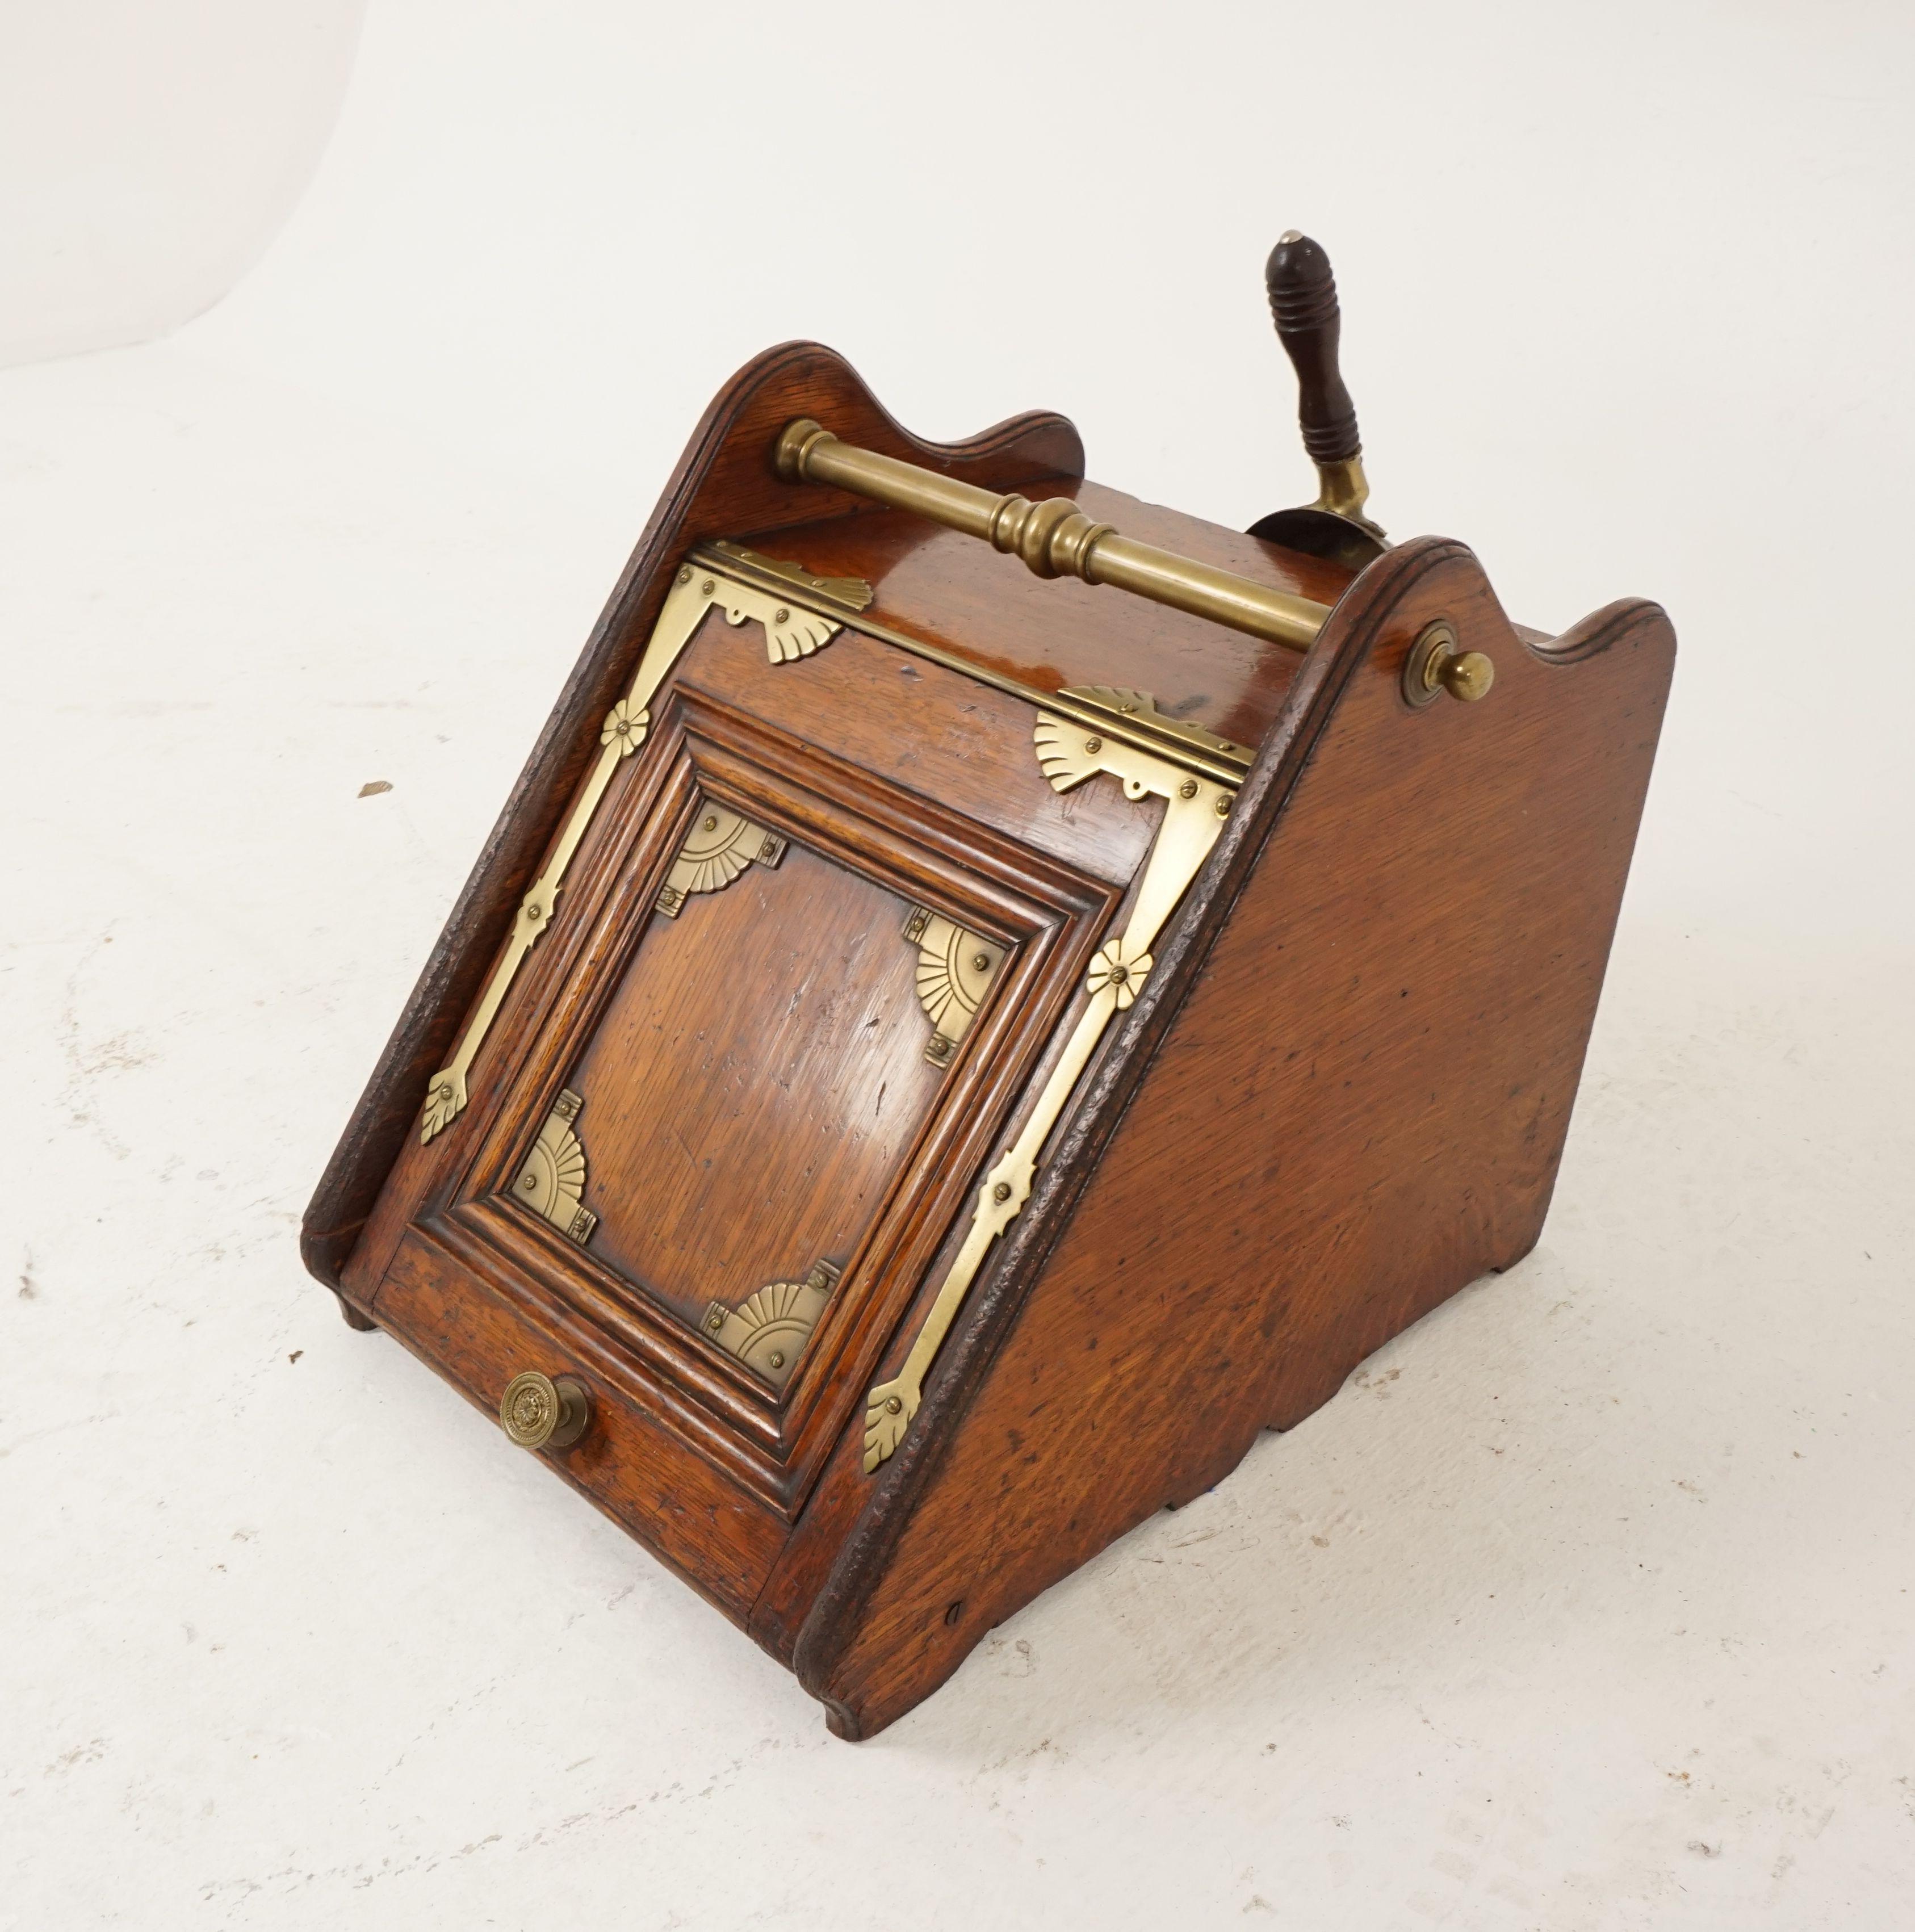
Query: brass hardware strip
point(1150, 730)
point(844, 593)
point(791, 631)
point(1194, 813)
point(1055, 539)
point(1117, 706)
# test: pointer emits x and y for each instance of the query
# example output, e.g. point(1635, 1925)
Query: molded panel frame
point(773, 1443)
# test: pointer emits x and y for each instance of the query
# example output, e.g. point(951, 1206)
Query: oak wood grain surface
point(756, 1082)
point(845, 824)
point(710, 1530)
point(960, 746)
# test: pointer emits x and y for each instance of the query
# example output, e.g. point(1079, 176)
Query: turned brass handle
point(1437, 663)
point(539, 1413)
point(1055, 539)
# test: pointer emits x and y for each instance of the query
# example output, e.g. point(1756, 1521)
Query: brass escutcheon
point(539, 1413)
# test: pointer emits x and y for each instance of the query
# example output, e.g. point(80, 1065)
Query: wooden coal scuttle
point(936, 1055)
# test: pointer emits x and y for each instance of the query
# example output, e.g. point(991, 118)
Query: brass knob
point(1467, 675)
point(539, 1413)
point(1436, 663)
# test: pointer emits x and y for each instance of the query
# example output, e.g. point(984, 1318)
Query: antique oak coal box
point(937, 1054)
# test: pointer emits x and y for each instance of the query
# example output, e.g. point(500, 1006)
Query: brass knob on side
point(539, 1413)
point(1437, 664)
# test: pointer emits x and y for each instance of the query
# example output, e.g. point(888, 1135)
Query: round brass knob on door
point(539, 1413)
point(1437, 663)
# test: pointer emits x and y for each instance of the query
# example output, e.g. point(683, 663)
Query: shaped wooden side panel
point(1342, 1097)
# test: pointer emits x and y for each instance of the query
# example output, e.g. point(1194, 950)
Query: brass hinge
point(1138, 709)
point(848, 593)
point(1131, 715)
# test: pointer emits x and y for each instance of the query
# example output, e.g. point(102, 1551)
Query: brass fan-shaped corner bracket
point(552, 1181)
point(768, 1330)
point(790, 632)
point(721, 844)
point(955, 968)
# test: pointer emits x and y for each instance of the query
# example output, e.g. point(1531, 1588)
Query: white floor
point(1585, 1605)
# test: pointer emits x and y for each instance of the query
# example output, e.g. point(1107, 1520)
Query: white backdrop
point(1586, 1605)
point(149, 153)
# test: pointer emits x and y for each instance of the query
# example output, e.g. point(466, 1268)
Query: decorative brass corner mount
point(767, 1331)
point(553, 1179)
point(790, 632)
point(721, 844)
point(954, 970)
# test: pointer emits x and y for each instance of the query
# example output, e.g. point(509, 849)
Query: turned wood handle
point(1303, 304)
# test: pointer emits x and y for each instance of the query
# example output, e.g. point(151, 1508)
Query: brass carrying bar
point(1055, 538)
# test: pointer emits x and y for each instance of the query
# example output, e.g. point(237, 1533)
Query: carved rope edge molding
point(1194, 812)
point(790, 633)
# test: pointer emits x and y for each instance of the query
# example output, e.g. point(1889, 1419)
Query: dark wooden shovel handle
point(1303, 303)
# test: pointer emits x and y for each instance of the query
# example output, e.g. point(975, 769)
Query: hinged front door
point(796, 1003)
